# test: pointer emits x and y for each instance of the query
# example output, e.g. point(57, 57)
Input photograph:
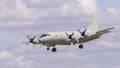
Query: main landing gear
point(81, 46)
point(53, 49)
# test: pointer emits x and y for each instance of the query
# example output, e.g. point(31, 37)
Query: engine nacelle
point(88, 33)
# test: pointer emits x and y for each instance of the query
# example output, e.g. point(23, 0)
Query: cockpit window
point(44, 35)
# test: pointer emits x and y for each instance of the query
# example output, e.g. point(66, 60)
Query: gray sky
point(19, 18)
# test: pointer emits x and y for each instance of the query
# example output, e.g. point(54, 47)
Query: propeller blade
point(34, 37)
point(79, 31)
point(29, 38)
point(85, 30)
point(72, 34)
point(66, 34)
point(83, 33)
point(27, 44)
point(69, 35)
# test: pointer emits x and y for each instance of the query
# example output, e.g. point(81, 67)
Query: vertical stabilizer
point(93, 26)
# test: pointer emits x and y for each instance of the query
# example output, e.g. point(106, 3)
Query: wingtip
point(112, 28)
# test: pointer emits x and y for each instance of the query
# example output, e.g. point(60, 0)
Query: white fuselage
point(59, 38)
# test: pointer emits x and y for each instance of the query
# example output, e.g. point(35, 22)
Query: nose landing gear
point(48, 48)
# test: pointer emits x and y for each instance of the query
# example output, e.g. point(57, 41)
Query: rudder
point(93, 26)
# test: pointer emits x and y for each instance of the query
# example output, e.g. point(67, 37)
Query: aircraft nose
point(40, 40)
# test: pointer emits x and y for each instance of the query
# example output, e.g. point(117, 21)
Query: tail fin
point(93, 26)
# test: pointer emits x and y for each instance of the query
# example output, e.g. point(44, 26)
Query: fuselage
point(59, 38)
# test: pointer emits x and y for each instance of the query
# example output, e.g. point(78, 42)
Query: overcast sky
point(19, 18)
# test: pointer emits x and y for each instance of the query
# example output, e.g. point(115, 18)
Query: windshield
point(44, 35)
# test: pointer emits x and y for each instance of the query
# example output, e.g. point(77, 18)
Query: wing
point(94, 36)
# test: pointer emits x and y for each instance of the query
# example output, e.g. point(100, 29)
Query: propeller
point(69, 35)
point(31, 40)
point(82, 33)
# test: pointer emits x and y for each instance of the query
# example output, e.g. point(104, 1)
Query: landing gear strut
point(54, 49)
point(48, 48)
point(81, 46)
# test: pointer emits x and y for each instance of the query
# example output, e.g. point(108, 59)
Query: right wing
point(94, 36)
point(104, 31)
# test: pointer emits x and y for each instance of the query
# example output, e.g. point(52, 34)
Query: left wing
point(94, 36)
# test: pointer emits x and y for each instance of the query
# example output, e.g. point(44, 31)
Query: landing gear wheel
point(81, 46)
point(54, 49)
point(48, 48)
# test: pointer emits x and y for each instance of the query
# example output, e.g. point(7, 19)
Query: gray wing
point(94, 36)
